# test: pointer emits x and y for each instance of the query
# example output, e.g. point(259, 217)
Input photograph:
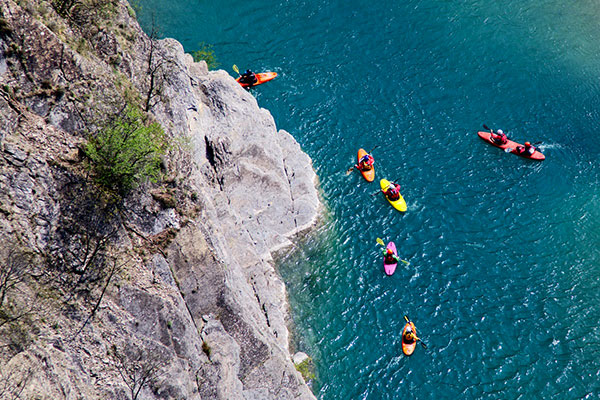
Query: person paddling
point(248, 77)
point(365, 163)
point(527, 150)
point(409, 335)
point(390, 257)
point(393, 191)
point(499, 137)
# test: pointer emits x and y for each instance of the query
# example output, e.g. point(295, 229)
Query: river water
point(503, 282)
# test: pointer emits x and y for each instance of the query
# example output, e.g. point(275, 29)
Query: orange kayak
point(409, 348)
point(262, 78)
point(370, 174)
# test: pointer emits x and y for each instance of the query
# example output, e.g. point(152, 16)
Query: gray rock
point(198, 286)
point(16, 156)
point(299, 358)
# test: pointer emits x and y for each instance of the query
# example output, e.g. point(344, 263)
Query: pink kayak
point(390, 268)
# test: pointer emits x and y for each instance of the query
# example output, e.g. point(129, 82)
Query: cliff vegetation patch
point(127, 152)
point(207, 54)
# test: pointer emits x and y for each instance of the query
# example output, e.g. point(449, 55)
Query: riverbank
point(195, 301)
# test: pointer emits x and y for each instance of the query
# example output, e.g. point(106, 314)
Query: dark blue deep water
point(503, 282)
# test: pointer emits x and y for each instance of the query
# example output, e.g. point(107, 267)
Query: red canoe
point(511, 145)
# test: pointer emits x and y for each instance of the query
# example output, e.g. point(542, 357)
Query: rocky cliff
point(168, 292)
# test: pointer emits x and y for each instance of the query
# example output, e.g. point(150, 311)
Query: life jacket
point(249, 77)
point(389, 259)
point(499, 138)
point(530, 150)
point(366, 162)
point(393, 191)
point(413, 331)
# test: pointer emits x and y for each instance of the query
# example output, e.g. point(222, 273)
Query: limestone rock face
point(185, 289)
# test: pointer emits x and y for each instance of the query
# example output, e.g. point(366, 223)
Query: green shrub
point(305, 368)
point(131, 12)
point(207, 54)
point(127, 152)
point(206, 348)
point(5, 29)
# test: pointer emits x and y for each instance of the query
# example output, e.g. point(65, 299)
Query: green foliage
point(63, 7)
point(127, 152)
point(131, 12)
point(207, 54)
point(206, 349)
point(305, 368)
point(5, 29)
point(136, 8)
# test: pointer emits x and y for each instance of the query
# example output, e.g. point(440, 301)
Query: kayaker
point(528, 149)
point(393, 191)
point(409, 335)
point(365, 163)
point(499, 137)
point(248, 77)
point(390, 257)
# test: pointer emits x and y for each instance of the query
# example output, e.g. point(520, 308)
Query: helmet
point(527, 144)
point(409, 329)
point(500, 132)
point(389, 251)
point(248, 71)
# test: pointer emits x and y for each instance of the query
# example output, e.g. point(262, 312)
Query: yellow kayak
point(399, 204)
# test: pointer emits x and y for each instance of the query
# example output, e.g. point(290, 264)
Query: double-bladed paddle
point(373, 194)
point(508, 149)
point(419, 340)
point(354, 166)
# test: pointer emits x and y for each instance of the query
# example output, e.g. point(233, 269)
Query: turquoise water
point(503, 282)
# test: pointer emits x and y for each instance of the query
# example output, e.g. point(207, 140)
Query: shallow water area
point(503, 282)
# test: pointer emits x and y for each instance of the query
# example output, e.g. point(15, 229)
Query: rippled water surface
point(503, 282)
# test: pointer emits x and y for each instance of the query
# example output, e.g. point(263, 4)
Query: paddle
point(419, 340)
point(373, 194)
point(354, 166)
point(236, 69)
point(490, 129)
point(380, 241)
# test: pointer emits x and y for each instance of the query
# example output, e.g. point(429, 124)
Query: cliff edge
point(168, 291)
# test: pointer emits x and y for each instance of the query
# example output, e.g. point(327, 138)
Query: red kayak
point(487, 136)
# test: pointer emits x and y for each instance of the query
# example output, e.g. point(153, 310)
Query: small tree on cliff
point(138, 366)
point(207, 54)
point(126, 152)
